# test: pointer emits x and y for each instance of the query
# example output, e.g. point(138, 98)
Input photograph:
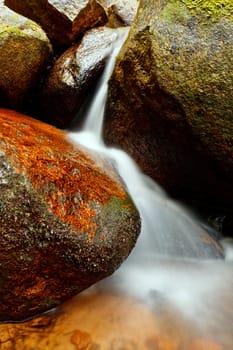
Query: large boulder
point(62, 20)
point(25, 51)
point(73, 75)
point(66, 220)
point(170, 102)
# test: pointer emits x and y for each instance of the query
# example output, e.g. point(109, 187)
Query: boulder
point(74, 73)
point(62, 20)
point(170, 101)
point(25, 51)
point(66, 220)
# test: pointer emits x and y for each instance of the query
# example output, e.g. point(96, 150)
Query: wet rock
point(123, 323)
point(62, 20)
point(120, 12)
point(73, 74)
point(66, 220)
point(170, 102)
point(25, 50)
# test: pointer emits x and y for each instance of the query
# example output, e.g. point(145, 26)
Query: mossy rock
point(171, 98)
point(63, 21)
point(25, 51)
point(213, 9)
point(66, 220)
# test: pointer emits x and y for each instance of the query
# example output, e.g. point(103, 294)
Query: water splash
point(169, 265)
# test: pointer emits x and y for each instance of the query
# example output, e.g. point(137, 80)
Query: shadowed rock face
point(170, 100)
point(73, 74)
point(65, 218)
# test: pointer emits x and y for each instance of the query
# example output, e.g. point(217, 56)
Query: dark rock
point(25, 51)
point(66, 220)
point(73, 74)
point(170, 102)
point(63, 21)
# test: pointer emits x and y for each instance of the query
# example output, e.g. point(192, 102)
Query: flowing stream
point(175, 263)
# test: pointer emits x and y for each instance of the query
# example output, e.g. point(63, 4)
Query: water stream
point(171, 264)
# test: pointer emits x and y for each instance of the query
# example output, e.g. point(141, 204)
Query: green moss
point(20, 26)
point(175, 12)
point(116, 204)
point(213, 8)
point(179, 11)
point(116, 214)
point(9, 31)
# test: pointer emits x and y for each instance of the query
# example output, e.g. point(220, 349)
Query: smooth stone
point(74, 74)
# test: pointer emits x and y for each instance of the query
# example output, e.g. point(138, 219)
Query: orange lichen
point(66, 177)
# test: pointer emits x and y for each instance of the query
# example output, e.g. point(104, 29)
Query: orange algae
point(55, 168)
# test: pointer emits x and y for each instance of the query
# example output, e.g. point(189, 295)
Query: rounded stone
point(66, 220)
point(25, 51)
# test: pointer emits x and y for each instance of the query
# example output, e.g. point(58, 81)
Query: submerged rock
point(62, 20)
point(66, 220)
point(25, 50)
point(73, 74)
point(170, 102)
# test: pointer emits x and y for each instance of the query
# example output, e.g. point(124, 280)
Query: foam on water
point(171, 263)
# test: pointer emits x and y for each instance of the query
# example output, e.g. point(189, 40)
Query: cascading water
point(174, 262)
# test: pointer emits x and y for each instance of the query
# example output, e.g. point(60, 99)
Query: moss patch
point(213, 8)
point(116, 208)
point(175, 12)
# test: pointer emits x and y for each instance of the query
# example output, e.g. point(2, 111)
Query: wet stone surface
point(66, 219)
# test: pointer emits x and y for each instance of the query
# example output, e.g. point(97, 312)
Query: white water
point(171, 264)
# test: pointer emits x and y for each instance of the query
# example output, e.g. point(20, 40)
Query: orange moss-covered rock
point(66, 220)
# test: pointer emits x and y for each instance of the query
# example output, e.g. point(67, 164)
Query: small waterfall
point(93, 123)
point(171, 263)
point(174, 231)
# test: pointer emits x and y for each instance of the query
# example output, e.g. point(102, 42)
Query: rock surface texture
point(74, 73)
point(63, 21)
point(170, 102)
point(25, 51)
point(65, 218)
point(120, 12)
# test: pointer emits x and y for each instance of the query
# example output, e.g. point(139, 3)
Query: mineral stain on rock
point(66, 220)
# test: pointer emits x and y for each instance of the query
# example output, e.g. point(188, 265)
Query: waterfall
point(174, 231)
point(171, 262)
